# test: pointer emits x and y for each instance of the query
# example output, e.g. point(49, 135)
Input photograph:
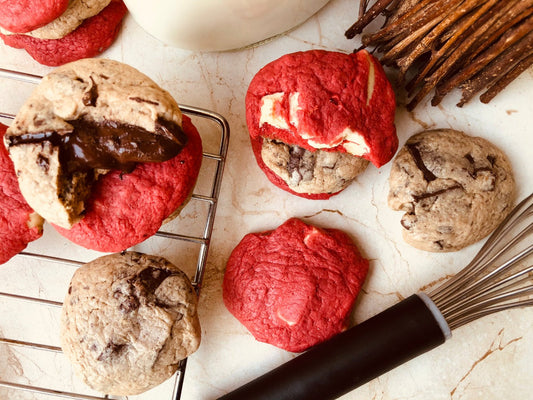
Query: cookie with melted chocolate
point(88, 118)
point(455, 189)
point(127, 321)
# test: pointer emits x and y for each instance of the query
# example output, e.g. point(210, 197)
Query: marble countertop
point(488, 359)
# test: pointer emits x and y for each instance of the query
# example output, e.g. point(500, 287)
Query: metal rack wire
point(203, 241)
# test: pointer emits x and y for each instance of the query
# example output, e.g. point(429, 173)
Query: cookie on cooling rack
point(294, 287)
point(84, 30)
point(139, 158)
point(317, 117)
point(455, 189)
point(127, 321)
point(21, 16)
point(72, 17)
point(19, 224)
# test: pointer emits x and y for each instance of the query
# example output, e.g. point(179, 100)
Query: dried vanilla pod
point(477, 46)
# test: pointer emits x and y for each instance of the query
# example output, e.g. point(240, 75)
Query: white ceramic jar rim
point(218, 25)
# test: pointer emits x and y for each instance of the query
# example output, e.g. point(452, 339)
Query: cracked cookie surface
point(294, 286)
point(455, 189)
point(127, 320)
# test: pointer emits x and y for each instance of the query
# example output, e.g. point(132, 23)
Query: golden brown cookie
point(454, 189)
point(127, 321)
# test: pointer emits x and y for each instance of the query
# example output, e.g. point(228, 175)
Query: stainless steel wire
point(499, 277)
point(203, 240)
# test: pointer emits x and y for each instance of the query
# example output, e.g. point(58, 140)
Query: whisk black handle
point(354, 357)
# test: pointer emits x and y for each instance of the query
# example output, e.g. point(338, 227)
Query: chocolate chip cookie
point(127, 321)
point(321, 102)
point(307, 171)
point(85, 119)
point(455, 189)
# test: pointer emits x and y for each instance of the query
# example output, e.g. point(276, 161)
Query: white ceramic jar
point(216, 25)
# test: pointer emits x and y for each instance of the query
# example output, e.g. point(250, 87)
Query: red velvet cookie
point(19, 224)
point(126, 208)
point(20, 16)
point(320, 101)
point(295, 286)
point(91, 38)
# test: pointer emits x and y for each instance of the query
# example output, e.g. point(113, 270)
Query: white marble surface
point(488, 359)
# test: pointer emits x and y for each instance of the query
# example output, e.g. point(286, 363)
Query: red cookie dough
point(323, 100)
point(20, 16)
point(295, 286)
point(125, 209)
point(19, 225)
point(91, 38)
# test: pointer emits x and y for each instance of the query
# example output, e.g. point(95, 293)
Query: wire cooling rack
point(202, 241)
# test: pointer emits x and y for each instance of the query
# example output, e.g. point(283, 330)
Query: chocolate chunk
point(109, 144)
point(408, 220)
point(301, 164)
point(128, 302)
point(152, 277)
point(484, 172)
point(43, 162)
point(141, 100)
point(415, 153)
point(423, 196)
point(90, 97)
point(470, 158)
point(111, 350)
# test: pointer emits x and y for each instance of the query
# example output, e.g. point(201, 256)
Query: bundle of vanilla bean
point(438, 45)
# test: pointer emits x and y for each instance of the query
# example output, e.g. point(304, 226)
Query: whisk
point(499, 277)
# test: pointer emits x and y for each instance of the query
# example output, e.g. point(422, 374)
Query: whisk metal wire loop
point(499, 277)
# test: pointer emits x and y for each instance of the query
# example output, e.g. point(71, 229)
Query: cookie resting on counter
point(295, 286)
point(84, 30)
point(127, 321)
point(317, 118)
point(101, 153)
point(19, 224)
point(455, 189)
point(21, 16)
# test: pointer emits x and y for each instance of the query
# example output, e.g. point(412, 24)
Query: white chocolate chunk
point(355, 143)
point(371, 80)
point(294, 107)
point(268, 111)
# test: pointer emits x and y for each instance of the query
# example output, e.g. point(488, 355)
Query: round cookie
point(455, 189)
point(76, 12)
point(100, 125)
point(19, 224)
point(294, 287)
point(127, 321)
point(91, 38)
point(316, 102)
point(125, 209)
point(20, 16)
